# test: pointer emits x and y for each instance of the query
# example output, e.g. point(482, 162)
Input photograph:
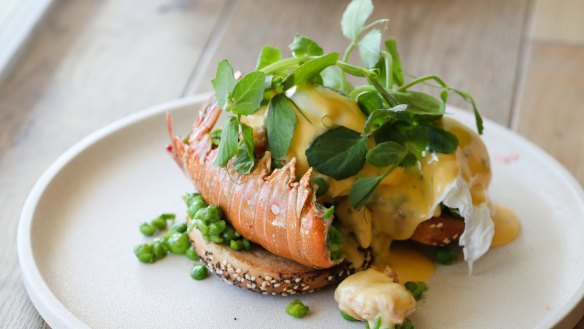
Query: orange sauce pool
point(507, 226)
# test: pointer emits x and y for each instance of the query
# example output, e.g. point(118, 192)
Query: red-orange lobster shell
point(272, 210)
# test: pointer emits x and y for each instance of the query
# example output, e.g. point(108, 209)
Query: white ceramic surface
point(80, 223)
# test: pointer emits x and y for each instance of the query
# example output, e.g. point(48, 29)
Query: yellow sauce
point(406, 197)
point(507, 226)
point(410, 264)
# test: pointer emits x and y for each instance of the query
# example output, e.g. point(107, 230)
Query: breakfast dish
point(315, 180)
point(323, 176)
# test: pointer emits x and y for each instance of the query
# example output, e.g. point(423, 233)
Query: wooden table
point(93, 62)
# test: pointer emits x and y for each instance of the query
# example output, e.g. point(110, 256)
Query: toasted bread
point(261, 271)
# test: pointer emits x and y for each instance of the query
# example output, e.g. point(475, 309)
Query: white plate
point(80, 223)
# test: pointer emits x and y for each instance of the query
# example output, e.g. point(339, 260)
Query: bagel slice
point(263, 272)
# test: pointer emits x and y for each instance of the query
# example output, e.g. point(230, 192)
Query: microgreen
point(280, 122)
point(268, 55)
point(247, 94)
point(339, 153)
point(369, 48)
point(355, 16)
point(385, 154)
point(224, 82)
point(309, 70)
point(304, 46)
point(228, 144)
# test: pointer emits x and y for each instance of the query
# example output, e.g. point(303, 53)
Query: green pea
point(180, 228)
point(196, 205)
point(147, 229)
point(236, 244)
point(202, 226)
point(246, 244)
point(229, 234)
point(407, 324)
point(159, 223)
point(144, 252)
point(199, 272)
point(216, 239)
point(445, 255)
point(416, 288)
point(217, 227)
point(192, 253)
point(347, 317)
point(178, 243)
point(159, 249)
point(209, 214)
point(297, 309)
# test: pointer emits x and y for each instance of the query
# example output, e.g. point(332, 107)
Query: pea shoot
point(297, 309)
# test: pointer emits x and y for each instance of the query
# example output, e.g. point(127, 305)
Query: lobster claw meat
point(271, 209)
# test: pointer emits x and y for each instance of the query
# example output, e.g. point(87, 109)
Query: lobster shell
point(270, 209)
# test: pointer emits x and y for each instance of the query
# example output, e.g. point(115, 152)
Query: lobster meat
point(271, 209)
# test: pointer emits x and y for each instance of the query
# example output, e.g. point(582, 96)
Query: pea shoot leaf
point(369, 102)
point(280, 123)
point(268, 55)
point(224, 82)
point(309, 70)
point(419, 103)
point(391, 47)
point(247, 94)
point(379, 117)
point(228, 144)
point(362, 189)
point(354, 17)
point(247, 134)
point(440, 140)
point(243, 163)
point(333, 78)
point(369, 48)
point(304, 46)
point(339, 153)
point(385, 154)
point(353, 70)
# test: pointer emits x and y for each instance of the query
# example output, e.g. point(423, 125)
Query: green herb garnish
point(402, 125)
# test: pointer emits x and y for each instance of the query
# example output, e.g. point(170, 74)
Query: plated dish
point(77, 265)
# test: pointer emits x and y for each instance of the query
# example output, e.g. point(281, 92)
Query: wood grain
point(558, 21)
point(474, 45)
point(551, 110)
point(92, 62)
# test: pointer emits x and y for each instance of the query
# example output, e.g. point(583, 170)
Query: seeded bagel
point(261, 271)
point(438, 231)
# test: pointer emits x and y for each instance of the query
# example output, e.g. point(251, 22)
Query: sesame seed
point(432, 225)
point(252, 278)
point(286, 281)
point(298, 280)
point(248, 286)
point(238, 270)
point(439, 225)
point(268, 278)
point(276, 285)
point(306, 288)
point(273, 281)
point(330, 278)
point(274, 294)
point(247, 276)
point(455, 236)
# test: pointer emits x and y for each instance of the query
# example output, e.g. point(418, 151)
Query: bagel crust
point(263, 272)
point(438, 231)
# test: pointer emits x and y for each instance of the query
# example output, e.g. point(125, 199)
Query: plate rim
point(58, 316)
